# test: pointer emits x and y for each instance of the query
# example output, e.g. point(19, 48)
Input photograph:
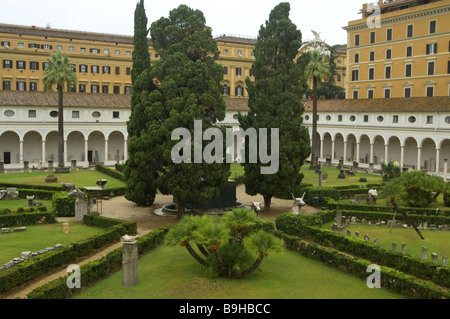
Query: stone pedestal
point(81, 209)
point(129, 261)
point(66, 228)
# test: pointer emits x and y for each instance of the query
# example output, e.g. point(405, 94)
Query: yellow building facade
point(399, 48)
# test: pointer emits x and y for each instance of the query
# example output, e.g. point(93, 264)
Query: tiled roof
point(66, 34)
point(235, 39)
point(20, 98)
point(420, 104)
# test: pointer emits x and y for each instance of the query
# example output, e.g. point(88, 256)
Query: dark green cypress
point(275, 101)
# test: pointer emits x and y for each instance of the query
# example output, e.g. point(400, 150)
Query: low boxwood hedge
point(25, 219)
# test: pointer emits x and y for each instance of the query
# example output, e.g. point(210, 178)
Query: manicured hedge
point(104, 222)
point(333, 204)
point(424, 269)
point(391, 279)
point(110, 172)
point(96, 270)
point(24, 219)
point(63, 205)
point(42, 264)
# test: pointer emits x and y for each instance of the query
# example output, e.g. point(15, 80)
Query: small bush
point(63, 205)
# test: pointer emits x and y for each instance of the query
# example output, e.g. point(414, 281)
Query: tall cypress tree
point(189, 90)
point(275, 101)
point(140, 169)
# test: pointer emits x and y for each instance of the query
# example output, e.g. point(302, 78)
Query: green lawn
point(435, 241)
point(81, 179)
point(171, 273)
point(14, 204)
point(312, 178)
point(38, 237)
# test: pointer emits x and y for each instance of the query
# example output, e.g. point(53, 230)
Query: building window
point(21, 65)
point(116, 89)
point(71, 48)
point(388, 54)
point(395, 119)
point(412, 119)
point(93, 50)
point(239, 53)
point(20, 45)
point(431, 68)
point(6, 85)
point(239, 72)
point(407, 92)
point(225, 51)
point(447, 120)
point(82, 50)
point(430, 91)
point(83, 68)
point(370, 94)
point(239, 91)
point(371, 73)
point(408, 70)
point(44, 66)
point(116, 115)
point(73, 88)
point(355, 75)
point(356, 57)
point(387, 93)
point(105, 89)
point(9, 113)
point(95, 69)
point(372, 37)
point(128, 90)
point(54, 113)
point(355, 95)
point(389, 35)
point(432, 26)
point(328, 118)
point(410, 31)
point(105, 51)
point(59, 48)
point(339, 118)
point(226, 90)
point(106, 69)
point(7, 64)
point(366, 118)
point(380, 119)
point(372, 56)
point(75, 114)
point(128, 71)
point(34, 65)
point(128, 53)
point(117, 70)
point(356, 40)
point(96, 114)
point(432, 48)
point(409, 51)
point(33, 86)
point(338, 77)
point(82, 88)
point(94, 88)
point(6, 44)
point(32, 113)
point(388, 72)
point(225, 70)
point(21, 86)
point(352, 118)
point(429, 119)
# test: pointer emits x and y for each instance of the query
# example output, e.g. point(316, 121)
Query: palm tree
point(317, 70)
point(60, 73)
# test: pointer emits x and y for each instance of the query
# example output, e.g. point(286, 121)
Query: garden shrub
point(447, 195)
point(110, 172)
point(63, 205)
point(424, 269)
point(24, 219)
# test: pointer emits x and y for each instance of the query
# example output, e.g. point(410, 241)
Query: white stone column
point(371, 154)
point(21, 151)
point(106, 150)
point(332, 151)
point(125, 150)
point(86, 145)
point(402, 156)
point(357, 152)
point(65, 152)
point(43, 152)
point(438, 155)
point(386, 153)
point(419, 158)
point(345, 151)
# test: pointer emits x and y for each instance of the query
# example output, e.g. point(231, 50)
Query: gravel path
point(147, 221)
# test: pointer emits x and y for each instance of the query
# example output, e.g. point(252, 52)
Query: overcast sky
point(233, 17)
